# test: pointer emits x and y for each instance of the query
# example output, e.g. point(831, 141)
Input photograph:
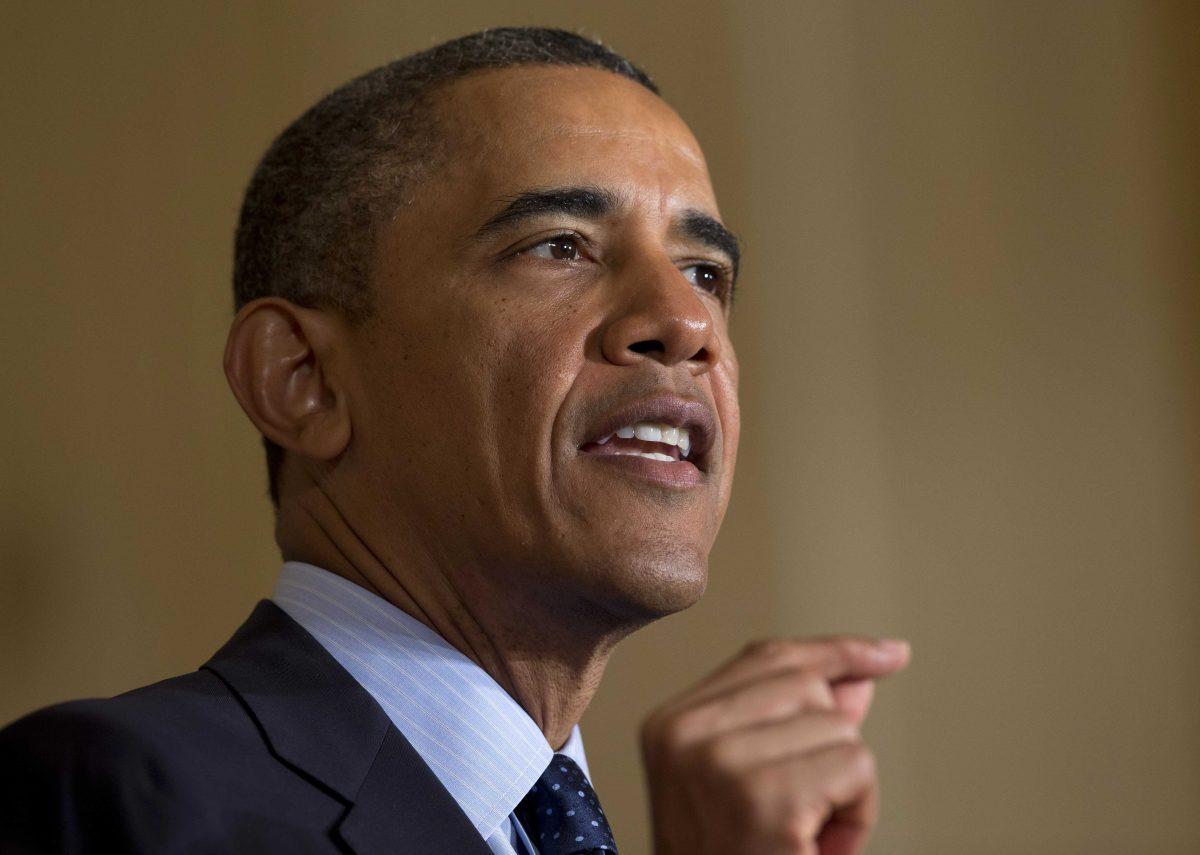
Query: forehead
point(539, 126)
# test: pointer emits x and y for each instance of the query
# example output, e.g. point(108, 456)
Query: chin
point(653, 584)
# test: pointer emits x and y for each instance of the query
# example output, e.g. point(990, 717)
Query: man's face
point(559, 278)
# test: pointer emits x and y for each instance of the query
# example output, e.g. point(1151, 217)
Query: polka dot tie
point(562, 815)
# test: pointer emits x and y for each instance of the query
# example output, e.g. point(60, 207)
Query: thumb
point(847, 658)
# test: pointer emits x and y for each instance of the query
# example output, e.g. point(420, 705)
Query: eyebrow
point(709, 231)
point(594, 203)
point(591, 203)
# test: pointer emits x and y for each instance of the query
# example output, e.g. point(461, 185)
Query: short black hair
point(308, 223)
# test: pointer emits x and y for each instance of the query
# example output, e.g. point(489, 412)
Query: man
point(483, 296)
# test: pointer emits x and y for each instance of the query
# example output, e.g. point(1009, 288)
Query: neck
point(546, 649)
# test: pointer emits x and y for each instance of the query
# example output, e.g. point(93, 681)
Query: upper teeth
point(655, 432)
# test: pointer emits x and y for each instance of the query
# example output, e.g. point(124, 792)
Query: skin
point(434, 450)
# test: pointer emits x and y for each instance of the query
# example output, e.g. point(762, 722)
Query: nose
point(663, 319)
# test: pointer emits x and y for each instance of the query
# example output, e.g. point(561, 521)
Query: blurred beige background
point(969, 335)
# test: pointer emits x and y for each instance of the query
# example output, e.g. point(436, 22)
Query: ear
point(282, 363)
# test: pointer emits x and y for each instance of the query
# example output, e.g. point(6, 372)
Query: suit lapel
point(386, 818)
point(320, 722)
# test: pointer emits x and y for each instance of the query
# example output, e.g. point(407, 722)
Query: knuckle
point(807, 680)
point(847, 647)
point(844, 728)
point(790, 818)
point(716, 758)
point(680, 731)
point(861, 761)
point(767, 647)
point(811, 690)
point(795, 837)
point(789, 837)
point(799, 826)
point(751, 790)
point(755, 800)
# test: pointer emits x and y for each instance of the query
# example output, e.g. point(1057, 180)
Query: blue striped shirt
point(479, 742)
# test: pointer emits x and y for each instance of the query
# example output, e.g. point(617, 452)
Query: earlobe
point(281, 361)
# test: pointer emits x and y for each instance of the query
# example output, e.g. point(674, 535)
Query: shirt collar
point(479, 742)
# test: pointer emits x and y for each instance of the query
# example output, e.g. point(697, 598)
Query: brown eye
point(708, 276)
point(561, 248)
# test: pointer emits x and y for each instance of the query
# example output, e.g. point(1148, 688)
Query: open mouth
point(651, 440)
point(665, 438)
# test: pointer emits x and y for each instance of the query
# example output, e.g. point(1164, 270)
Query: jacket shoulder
point(124, 773)
point(161, 718)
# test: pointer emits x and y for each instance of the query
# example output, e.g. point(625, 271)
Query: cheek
point(535, 357)
point(522, 366)
point(724, 379)
point(420, 400)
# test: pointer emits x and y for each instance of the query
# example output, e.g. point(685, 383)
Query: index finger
point(836, 658)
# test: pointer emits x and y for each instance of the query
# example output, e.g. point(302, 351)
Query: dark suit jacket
point(271, 746)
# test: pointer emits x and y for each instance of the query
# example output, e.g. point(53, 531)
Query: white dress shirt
point(479, 742)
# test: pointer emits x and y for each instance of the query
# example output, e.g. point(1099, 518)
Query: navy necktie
point(562, 815)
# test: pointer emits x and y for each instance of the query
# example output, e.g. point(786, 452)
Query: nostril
point(648, 346)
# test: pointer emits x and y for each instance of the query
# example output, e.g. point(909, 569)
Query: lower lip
point(677, 473)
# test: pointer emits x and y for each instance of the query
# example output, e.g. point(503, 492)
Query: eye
point(710, 277)
point(557, 248)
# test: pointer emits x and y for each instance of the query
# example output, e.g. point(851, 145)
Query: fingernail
point(893, 646)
